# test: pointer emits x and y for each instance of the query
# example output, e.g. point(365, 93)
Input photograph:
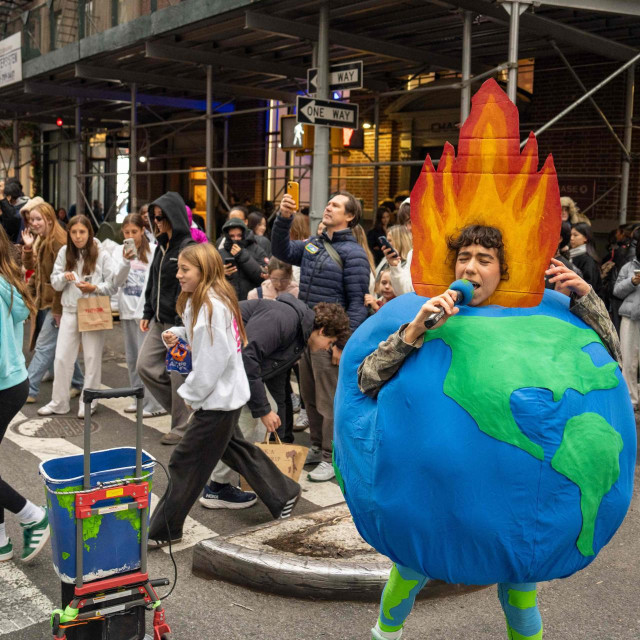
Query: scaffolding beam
point(210, 221)
point(465, 93)
point(586, 96)
point(320, 176)
point(133, 150)
point(103, 74)
point(628, 132)
point(298, 30)
point(546, 28)
point(599, 111)
point(273, 68)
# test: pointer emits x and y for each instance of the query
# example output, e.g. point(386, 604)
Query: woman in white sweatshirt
point(82, 268)
point(215, 390)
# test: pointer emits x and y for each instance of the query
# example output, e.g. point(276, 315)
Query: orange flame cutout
point(489, 183)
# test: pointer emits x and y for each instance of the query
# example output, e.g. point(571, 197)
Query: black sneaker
point(226, 496)
point(289, 506)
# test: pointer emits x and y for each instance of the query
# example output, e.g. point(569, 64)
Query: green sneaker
point(35, 538)
point(6, 552)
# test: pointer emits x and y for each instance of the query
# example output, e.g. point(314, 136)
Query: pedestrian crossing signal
point(353, 139)
point(59, 122)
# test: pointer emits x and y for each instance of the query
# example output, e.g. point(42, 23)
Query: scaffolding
point(515, 13)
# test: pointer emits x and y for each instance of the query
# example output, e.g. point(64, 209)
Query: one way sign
point(347, 75)
point(327, 112)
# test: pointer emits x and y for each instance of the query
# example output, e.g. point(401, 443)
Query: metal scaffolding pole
point(376, 158)
point(79, 161)
point(628, 130)
point(586, 96)
point(599, 111)
point(465, 94)
point(225, 160)
point(211, 223)
point(513, 8)
point(133, 151)
point(320, 176)
point(16, 148)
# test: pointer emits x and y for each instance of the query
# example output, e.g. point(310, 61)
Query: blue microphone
point(464, 289)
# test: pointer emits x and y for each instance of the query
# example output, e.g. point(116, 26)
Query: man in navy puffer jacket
point(324, 279)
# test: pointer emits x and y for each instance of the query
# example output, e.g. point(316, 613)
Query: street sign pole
point(320, 176)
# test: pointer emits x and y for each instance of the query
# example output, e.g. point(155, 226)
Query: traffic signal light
point(59, 122)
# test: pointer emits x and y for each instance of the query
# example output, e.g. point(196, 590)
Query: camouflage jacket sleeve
point(591, 310)
point(384, 362)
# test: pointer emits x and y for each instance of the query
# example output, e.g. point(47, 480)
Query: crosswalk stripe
point(47, 448)
point(21, 602)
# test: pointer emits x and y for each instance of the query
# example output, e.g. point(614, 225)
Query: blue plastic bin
point(112, 540)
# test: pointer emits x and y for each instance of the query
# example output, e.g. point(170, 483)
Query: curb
point(301, 577)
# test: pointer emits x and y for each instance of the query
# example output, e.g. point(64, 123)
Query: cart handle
point(90, 395)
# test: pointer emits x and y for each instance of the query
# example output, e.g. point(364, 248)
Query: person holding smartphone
point(627, 289)
point(244, 269)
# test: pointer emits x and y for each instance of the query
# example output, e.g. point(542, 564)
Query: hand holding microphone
point(437, 310)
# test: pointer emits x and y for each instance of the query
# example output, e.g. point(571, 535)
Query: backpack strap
point(259, 290)
point(333, 254)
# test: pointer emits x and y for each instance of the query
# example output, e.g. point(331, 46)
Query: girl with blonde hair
point(215, 390)
point(41, 242)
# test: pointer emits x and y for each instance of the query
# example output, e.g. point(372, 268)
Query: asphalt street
point(599, 603)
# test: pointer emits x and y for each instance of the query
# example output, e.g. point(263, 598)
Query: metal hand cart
point(115, 500)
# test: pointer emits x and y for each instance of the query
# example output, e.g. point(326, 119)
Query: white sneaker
point(314, 456)
point(47, 377)
point(131, 408)
point(302, 422)
point(154, 414)
point(48, 410)
point(295, 401)
point(81, 409)
point(323, 472)
point(74, 393)
point(378, 634)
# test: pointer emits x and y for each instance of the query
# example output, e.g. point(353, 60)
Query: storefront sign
point(11, 59)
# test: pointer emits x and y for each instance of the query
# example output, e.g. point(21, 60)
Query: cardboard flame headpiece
point(490, 183)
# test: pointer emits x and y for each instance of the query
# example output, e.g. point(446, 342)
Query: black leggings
point(11, 401)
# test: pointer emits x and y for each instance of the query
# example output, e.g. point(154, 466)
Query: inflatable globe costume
point(499, 447)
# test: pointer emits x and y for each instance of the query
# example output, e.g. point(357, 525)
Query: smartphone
point(636, 272)
point(231, 260)
point(129, 245)
point(293, 189)
point(385, 243)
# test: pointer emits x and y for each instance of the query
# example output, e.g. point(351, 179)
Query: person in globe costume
point(477, 260)
point(539, 497)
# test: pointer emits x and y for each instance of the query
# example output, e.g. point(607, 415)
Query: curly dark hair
point(332, 319)
point(488, 237)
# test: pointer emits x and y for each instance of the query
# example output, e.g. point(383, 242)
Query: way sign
point(347, 75)
point(327, 112)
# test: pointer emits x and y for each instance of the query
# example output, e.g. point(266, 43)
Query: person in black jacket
point(584, 256)
point(245, 261)
point(11, 201)
point(379, 229)
point(174, 234)
point(278, 331)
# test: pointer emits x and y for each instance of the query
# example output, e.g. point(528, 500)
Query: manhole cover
point(54, 427)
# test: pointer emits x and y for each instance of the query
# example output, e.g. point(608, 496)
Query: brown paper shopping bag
point(289, 458)
point(94, 313)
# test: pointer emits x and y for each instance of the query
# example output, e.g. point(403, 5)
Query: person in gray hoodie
point(627, 289)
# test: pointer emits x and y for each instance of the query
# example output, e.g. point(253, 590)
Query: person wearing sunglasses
point(169, 216)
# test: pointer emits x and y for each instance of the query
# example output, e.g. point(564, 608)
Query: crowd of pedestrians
point(269, 303)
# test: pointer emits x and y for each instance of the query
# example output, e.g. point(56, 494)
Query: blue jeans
point(44, 354)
